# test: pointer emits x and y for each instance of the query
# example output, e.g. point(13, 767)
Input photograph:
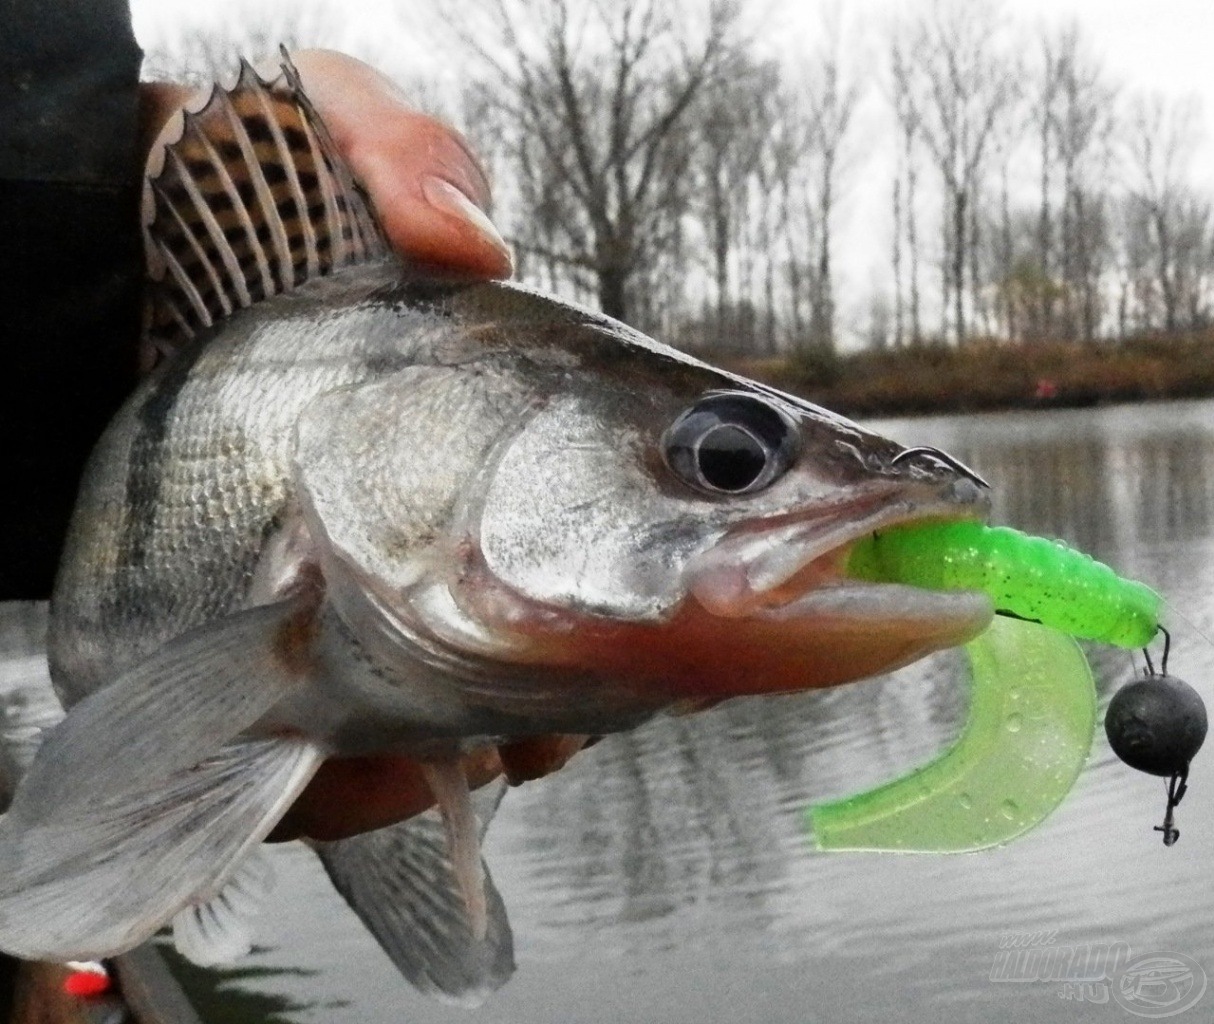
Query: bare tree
point(960, 84)
point(732, 124)
point(780, 237)
point(1045, 118)
point(830, 101)
point(200, 54)
point(878, 328)
point(1137, 296)
point(599, 93)
point(905, 198)
point(798, 226)
point(1003, 245)
point(1083, 124)
point(1193, 262)
point(1162, 138)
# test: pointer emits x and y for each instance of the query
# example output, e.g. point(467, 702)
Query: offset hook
point(1156, 724)
point(944, 459)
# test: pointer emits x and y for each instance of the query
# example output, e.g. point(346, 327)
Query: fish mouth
point(793, 569)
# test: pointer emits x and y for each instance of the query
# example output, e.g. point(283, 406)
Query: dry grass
point(997, 375)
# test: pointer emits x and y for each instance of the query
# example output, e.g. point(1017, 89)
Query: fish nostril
point(965, 492)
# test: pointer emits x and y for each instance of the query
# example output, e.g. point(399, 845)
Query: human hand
point(428, 189)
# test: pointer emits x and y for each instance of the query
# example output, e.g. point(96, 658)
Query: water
point(665, 875)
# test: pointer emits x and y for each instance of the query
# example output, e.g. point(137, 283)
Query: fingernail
point(444, 196)
point(480, 191)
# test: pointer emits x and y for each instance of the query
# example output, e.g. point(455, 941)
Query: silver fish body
point(358, 516)
point(416, 442)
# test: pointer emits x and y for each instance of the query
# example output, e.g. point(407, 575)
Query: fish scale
point(191, 512)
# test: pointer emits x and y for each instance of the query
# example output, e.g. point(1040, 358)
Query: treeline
point(656, 164)
point(654, 157)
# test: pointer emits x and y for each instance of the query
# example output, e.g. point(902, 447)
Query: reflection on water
point(666, 875)
point(1106, 480)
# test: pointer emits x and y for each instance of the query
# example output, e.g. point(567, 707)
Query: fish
point(358, 513)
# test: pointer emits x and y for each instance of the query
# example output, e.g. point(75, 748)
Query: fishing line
point(1197, 630)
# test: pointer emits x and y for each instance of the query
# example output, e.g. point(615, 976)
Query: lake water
point(665, 876)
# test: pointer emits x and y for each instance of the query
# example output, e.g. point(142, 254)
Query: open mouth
point(796, 569)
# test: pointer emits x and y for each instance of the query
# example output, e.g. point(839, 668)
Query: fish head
point(611, 509)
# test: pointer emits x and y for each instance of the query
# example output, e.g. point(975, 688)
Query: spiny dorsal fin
point(252, 200)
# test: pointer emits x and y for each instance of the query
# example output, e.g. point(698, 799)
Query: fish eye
point(730, 443)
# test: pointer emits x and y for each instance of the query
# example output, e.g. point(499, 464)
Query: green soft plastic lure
point(1032, 707)
point(1028, 577)
point(1031, 718)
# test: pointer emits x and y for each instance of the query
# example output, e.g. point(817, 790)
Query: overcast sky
point(1165, 46)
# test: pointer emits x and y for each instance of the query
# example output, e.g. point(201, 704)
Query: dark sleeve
point(70, 262)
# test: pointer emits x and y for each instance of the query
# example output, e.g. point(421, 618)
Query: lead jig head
point(1157, 725)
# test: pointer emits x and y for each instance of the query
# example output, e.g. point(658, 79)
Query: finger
point(428, 189)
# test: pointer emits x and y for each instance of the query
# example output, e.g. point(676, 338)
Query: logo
point(1157, 985)
point(1152, 985)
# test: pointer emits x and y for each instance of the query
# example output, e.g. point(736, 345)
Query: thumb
point(428, 189)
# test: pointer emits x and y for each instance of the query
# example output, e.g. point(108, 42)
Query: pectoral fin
point(144, 798)
point(98, 881)
point(220, 930)
point(172, 709)
point(401, 882)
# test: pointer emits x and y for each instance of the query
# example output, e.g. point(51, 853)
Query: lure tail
point(1031, 720)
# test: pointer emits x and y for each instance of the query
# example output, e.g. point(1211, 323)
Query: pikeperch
point(354, 512)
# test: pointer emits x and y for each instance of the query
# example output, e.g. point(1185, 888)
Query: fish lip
point(793, 564)
point(947, 618)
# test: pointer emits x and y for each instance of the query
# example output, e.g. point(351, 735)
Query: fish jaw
point(769, 609)
point(797, 564)
point(795, 619)
point(766, 609)
point(834, 636)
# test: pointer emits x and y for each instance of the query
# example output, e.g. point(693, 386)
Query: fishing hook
point(1167, 649)
point(1178, 784)
point(944, 459)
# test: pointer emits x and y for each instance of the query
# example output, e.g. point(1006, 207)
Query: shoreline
point(992, 376)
